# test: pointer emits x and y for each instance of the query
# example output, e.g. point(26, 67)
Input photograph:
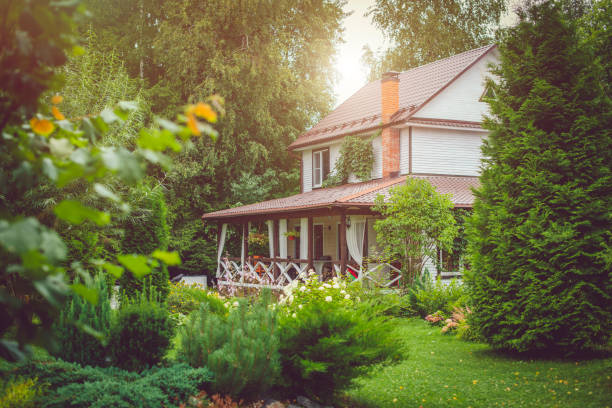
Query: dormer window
point(320, 166)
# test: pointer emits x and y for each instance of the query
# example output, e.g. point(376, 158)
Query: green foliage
point(187, 298)
point(541, 230)
point(241, 349)
point(144, 232)
point(72, 385)
point(140, 334)
point(431, 296)
point(75, 344)
point(19, 393)
point(424, 31)
point(417, 221)
point(324, 347)
point(356, 157)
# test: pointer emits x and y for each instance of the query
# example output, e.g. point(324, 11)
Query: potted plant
point(292, 235)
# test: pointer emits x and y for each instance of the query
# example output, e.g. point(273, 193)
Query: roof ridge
point(489, 46)
point(373, 188)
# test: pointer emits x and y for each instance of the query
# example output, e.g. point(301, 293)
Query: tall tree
point(271, 62)
point(541, 234)
point(422, 31)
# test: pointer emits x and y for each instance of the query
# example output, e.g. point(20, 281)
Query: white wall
point(461, 99)
point(307, 170)
point(441, 151)
point(377, 150)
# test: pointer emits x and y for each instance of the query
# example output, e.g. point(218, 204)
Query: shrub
point(428, 296)
point(240, 349)
point(324, 347)
point(76, 386)
point(140, 334)
point(184, 299)
point(75, 344)
point(540, 235)
point(19, 393)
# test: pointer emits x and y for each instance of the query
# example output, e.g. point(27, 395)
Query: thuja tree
point(542, 227)
point(417, 221)
point(144, 232)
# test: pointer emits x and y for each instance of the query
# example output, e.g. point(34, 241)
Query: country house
point(425, 122)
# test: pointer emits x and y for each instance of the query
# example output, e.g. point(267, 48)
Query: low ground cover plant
point(184, 299)
point(69, 384)
point(428, 296)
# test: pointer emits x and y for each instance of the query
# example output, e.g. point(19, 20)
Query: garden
point(99, 193)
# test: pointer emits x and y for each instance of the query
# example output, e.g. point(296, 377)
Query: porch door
point(317, 237)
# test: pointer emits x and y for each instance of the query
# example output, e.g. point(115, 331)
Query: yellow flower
point(57, 99)
point(192, 124)
point(203, 110)
point(474, 382)
point(57, 114)
point(41, 126)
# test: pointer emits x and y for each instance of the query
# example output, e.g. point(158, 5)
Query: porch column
point(221, 232)
point(282, 230)
point(342, 239)
point(304, 236)
point(245, 247)
point(277, 239)
point(310, 246)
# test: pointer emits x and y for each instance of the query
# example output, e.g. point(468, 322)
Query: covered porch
point(330, 231)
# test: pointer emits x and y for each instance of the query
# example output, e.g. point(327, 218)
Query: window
point(454, 262)
point(320, 166)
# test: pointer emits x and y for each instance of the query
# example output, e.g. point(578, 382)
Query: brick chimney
point(390, 137)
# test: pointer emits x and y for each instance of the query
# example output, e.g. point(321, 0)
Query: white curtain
point(270, 224)
point(282, 230)
point(221, 246)
point(243, 255)
point(354, 238)
point(304, 237)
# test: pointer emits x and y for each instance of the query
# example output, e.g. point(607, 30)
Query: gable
point(462, 99)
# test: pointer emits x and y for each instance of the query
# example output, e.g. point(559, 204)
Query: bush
point(428, 297)
point(540, 234)
point(75, 386)
point(240, 349)
point(184, 299)
point(140, 334)
point(75, 344)
point(324, 347)
point(19, 393)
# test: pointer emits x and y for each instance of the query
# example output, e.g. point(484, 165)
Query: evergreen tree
point(146, 231)
point(541, 233)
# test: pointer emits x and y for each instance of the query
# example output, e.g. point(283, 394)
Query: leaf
point(137, 264)
point(104, 192)
point(76, 213)
point(57, 99)
point(109, 117)
point(203, 110)
point(158, 140)
point(129, 106)
point(113, 269)
point(62, 148)
point(21, 236)
point(168, 125)
point(89, 294)
point(53, 289)
point(192, 124)
point(53, 247)
point(42, 127)
point(169, 258)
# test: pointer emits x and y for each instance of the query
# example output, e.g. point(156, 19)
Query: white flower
point(347, 296)
point(311, 272)
point(302, 288)
point(328, 299)
point(235, 304)
point(302, 274)
point(343, 291)
point(358, 299)
point(290, 299)
point(227, 304)
point(327, 285)
point(294, 315)
point(300, 307)
point(321, 288)
point(336, 286)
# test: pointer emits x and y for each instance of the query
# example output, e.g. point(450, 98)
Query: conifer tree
point(541, 233)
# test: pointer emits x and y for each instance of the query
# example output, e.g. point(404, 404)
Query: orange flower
point(203, 110)
point(57, 99)
point(192, 124)
point(41, 126)
point(57, 114)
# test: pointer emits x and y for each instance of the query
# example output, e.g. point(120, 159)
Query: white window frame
point(317, 171)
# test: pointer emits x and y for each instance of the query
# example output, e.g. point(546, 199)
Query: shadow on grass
point(545, 355)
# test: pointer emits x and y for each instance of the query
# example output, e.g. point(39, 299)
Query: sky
point(358, 32)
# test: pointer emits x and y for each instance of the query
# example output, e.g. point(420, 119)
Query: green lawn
point(443, 371)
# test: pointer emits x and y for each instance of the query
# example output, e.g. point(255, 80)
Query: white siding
point(307, 170)
point(445, 151)
point(404, 151)
point(461, 99)
point(334, 154)
point(377, 165)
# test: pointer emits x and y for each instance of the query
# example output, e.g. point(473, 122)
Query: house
point(426, 123)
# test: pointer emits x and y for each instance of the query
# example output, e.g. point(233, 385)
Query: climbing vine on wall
point(356, 157)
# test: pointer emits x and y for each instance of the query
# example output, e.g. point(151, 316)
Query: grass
point(443, 371)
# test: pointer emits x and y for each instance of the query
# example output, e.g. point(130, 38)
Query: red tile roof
point(350, 195)
point(362, 111)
